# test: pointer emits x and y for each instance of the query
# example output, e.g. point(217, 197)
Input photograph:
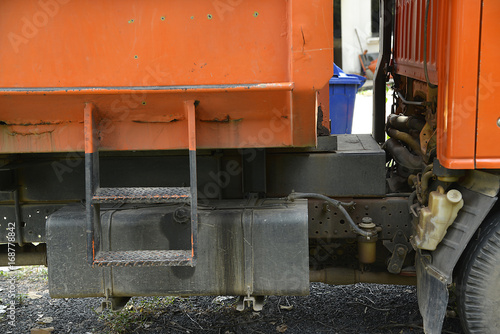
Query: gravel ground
point(359, 308)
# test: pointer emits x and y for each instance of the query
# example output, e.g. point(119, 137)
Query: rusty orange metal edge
point(89, 128)
point(276, 86)
point(190, 114)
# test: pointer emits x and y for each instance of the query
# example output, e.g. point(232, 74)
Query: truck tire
point(478, 281)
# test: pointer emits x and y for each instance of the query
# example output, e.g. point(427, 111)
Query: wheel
point(478, 281)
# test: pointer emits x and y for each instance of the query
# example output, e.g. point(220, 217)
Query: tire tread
point(481, 257)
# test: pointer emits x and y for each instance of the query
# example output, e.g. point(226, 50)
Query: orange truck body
point(463, 61)
point(254, 68)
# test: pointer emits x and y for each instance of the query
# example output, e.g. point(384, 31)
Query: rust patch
point(159, 119)
point(226, 119)
point(156, 122)
point(29, 130)
point(32, 124)
point(14, 133)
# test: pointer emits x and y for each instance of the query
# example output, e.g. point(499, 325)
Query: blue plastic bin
point(343, 89)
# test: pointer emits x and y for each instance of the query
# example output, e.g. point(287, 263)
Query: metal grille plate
point(142, 195)
point(138, 258)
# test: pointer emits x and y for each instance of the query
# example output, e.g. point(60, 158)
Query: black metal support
point(381, 73)
point(190, 110)
point(18, 227)
point(91, 179)
point(254, 171)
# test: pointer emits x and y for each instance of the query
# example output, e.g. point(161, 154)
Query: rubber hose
point(339, 205)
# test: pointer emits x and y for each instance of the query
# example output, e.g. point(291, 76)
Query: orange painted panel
point(459, 32)
point(488, 130)
point(254, 66)
point(87, 43)
point(149, 120)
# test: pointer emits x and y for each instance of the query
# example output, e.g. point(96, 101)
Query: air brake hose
point(340, 205)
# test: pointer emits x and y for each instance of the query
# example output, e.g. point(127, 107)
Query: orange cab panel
point(468, 131)
point(458, 59)
point(488, 115)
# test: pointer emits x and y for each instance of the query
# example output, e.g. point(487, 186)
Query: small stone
point(46, 330)
point(281, 328)
point(34, 295)
point(451, 314)
point(46, 320)
point(221, 299)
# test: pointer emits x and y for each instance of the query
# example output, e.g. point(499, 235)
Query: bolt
point(181, 215)
point(498, 122)
point(367, 223)
point(326, 208)
point(401, 251)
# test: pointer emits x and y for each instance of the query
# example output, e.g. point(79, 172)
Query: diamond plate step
point(172, 258)
point(142, 195)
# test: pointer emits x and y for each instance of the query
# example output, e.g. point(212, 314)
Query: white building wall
point(356, 14)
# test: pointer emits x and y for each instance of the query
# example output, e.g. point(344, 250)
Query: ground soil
point(359, 308)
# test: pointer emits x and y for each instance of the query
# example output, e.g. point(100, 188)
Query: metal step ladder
point(95, 196)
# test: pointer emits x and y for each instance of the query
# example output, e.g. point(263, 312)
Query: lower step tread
point(137, 258)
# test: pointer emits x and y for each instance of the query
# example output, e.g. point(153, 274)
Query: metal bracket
point(399, 246)
point(114, 304)
point(257, 303)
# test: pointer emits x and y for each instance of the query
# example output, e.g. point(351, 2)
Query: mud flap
point(432, 296)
